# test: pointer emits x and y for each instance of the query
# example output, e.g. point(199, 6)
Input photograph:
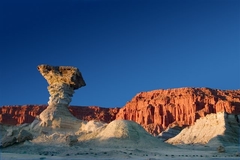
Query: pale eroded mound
point(123, 129)
point(126, 133)
point(117, 133)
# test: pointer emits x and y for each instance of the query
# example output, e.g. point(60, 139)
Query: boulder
point(71, 139)
point(220, 149)
point(8, 141)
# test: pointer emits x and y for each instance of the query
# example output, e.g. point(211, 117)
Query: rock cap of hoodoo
point(62, 74)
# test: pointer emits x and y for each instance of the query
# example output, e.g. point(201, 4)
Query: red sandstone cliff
point(94, 113)
point(156, 110)
point(13, 115)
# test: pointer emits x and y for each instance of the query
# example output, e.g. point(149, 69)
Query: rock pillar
point(62, 80)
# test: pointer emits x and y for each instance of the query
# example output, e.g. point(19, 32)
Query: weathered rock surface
point(71, 139)
point(24, 135)
point(13, 136)
point(3, 131)
point(156, 110)
point(170, 132)
point(8, 141)
point(62, 80)
point(62, 75)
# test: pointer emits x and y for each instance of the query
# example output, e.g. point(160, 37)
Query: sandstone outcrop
point(62, 80)
point(156, 110)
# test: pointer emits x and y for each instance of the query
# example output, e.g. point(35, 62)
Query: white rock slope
point(221, 126)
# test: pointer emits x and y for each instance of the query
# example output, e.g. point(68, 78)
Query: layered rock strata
point(62, 80)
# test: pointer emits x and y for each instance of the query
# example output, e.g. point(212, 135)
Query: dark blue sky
point(121, 47)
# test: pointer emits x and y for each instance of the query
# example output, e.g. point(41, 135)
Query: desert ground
point(120, 139)
point(28, 151)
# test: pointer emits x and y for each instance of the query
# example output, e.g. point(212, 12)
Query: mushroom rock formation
point(62, 80)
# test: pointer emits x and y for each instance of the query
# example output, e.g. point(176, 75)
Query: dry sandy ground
point(88, 151)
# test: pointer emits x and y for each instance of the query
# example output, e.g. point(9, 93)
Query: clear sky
point(121, 47)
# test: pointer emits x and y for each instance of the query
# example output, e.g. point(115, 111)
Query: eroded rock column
point(62, 80)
